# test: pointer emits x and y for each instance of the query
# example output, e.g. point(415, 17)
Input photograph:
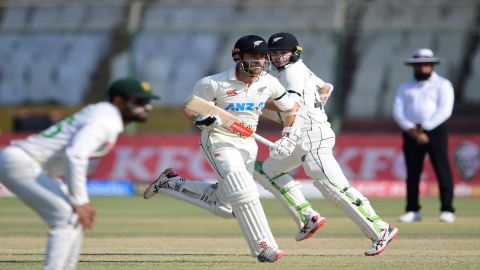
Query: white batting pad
point(287, 191)
point(355, 206)
point(198, 193)
point(240, 190)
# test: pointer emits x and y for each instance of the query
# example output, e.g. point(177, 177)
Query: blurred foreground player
point(241, 91)
point(30, 167)
point(314, 152)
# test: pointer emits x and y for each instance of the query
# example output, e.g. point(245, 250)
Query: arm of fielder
point(229, 121)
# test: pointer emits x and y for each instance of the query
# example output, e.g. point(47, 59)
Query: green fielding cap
point(130, 87)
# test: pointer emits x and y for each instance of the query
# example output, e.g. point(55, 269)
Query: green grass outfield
point(163, 233)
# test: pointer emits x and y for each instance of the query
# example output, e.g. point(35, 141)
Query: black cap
point(282, 41)
point(129, 87)
point(251, 44)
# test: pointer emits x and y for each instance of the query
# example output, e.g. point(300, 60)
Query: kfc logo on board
point(467, 159)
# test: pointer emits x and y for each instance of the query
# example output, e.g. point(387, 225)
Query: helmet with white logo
point(248, 44)
point(285, 42)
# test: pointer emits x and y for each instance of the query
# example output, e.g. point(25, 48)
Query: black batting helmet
point(249, 44)
point(285, 41)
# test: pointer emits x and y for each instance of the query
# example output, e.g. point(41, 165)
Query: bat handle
point(262, 140)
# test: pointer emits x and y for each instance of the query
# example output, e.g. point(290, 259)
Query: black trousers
point(437, 149)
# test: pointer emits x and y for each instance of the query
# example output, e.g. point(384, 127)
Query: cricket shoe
point(270, 255)
point(161, 182)
point(313, 223)
point(410, 216)
point(379, 246)
point(448, 217)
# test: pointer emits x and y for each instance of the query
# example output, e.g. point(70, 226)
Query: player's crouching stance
point(241, 91)
point(314, 143)
point(30, 167)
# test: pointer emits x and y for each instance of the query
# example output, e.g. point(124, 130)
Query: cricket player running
point(314, 142)
point(241, 91)
point(30, 167)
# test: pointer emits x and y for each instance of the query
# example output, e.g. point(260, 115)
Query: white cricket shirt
point(303, 84)
point(246, 103)
point(65, 148)
point(428, 103)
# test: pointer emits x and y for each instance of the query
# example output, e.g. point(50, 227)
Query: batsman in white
point(314, 142)
point(241, 91)
point(31, 167)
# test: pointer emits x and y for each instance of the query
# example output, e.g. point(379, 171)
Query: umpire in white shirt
point(421, 108)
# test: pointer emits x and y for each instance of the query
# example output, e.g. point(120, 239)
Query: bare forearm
point(270, 105)
point(325, 93)
point(290, 115)
point(325, 89)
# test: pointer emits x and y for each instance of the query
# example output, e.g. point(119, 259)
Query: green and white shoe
point(388, 235)
point(313, 223)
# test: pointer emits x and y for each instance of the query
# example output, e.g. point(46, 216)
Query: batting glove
point(282, 148)
point(291, 133)
point(207, 122)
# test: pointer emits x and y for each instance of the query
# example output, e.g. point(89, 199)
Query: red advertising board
point(374, 163)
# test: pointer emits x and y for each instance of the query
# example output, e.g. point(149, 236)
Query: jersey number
point(54, 130)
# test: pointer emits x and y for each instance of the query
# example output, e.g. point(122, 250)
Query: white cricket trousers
point(233, 159)
point(24, 176)
point(316, 155)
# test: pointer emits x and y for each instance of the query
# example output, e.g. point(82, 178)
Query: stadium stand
point(472, 92)
point(381, 53)
point(53, 52)
point(43, 63)
point(174, 62)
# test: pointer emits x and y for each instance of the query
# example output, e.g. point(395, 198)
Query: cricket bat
point(229, 121)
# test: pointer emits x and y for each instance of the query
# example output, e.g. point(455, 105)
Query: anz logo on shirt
point(246, 106)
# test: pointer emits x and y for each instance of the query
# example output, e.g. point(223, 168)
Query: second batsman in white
point(314, 143)
point(242, 91)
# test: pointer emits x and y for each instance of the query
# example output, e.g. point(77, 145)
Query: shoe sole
point(279, 255)
point(312, 232)
point(448, 222)
point(381, 250)
point(150, 187)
